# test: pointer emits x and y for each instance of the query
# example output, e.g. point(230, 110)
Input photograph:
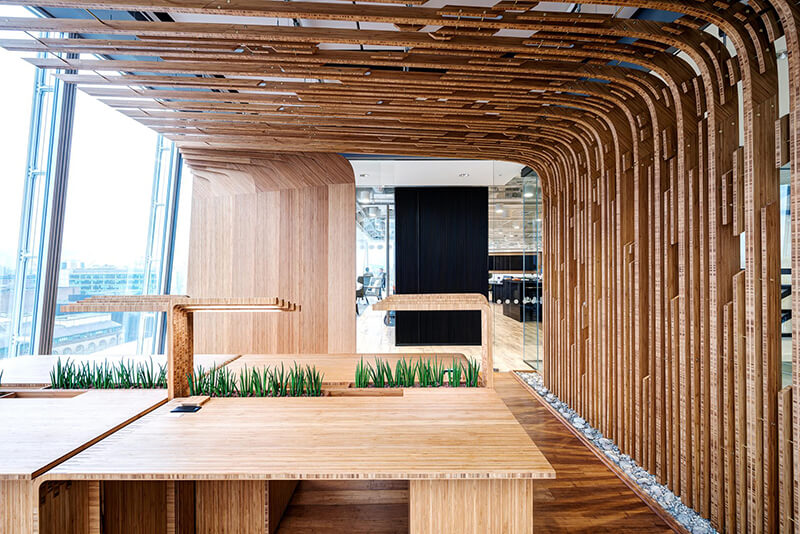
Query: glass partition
point(532, 296)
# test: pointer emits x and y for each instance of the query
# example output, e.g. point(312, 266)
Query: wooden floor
point(356, 507)
point(585, 497)
point(509, 353)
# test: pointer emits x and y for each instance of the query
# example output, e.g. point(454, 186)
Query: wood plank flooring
point(585, 497)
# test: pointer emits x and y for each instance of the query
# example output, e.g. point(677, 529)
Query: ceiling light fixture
point(527, 191)
point(463, 174)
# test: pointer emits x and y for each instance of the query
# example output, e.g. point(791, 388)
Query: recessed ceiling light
point(463, 174)
point(363, 175)
point(516, 227)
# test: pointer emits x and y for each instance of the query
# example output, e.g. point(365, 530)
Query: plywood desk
point(338, 369)
point(39, 433)
point(471, 466)
point(34, 371)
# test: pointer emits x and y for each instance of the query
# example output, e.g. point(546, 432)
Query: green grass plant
point(105, 375)
point(405, 373)
point(313, 381)
point(299, 381)
point(425, 373)
point(378, 374)
point(362, 374)
point(472, 372)
point(437, 373)
point(454, 376)
point(422, 372)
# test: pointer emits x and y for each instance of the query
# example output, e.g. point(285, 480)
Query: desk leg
point(459, 506)
point(180, 352)
point(17, 504)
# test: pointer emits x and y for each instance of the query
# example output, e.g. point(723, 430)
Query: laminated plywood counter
point(470, 464)
point(40, 431)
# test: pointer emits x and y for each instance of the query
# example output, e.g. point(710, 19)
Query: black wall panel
point(441, 246)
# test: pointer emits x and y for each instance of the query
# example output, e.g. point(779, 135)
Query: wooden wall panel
point(296, 242)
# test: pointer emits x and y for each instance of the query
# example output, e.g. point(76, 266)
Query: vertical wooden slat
point(785, 460)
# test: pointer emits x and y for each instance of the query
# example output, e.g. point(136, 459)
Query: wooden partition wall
point(654, 329)
point(282, 223)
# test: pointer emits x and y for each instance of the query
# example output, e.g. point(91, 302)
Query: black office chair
point(360, 292)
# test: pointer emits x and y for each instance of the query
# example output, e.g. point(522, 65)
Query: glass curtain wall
point(116, 230)
point(26, 179)
point(120, 217)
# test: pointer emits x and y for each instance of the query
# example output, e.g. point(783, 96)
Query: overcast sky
point(111, 173)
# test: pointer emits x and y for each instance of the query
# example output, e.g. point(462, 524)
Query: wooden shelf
point(164, 303)
point(433, 302)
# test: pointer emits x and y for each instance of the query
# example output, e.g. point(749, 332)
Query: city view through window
point(119, 194)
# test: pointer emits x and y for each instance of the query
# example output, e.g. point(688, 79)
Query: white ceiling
point(398, 173)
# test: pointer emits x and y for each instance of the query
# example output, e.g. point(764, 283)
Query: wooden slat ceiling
point(435, 81)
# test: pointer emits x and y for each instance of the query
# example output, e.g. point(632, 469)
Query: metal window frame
point(42, 225)
point(47, 126)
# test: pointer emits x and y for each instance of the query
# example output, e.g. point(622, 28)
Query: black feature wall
point(442, 242)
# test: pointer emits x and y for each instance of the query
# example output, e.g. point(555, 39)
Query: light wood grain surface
point(34, 371)
point(338, 369)
point(38, 433)
point(275, 225)
point(426, 434)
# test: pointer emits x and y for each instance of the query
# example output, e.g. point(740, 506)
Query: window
point(28, 137)
point(16, 87)
point(115, 229)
